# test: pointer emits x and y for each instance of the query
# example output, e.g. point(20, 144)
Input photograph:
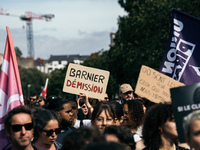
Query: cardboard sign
point(154, 85)
point(184, 101)
point(81, 79)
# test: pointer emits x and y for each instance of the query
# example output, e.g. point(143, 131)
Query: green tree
point(56, 81)
point(18, 52)
point(143, 34)
point(141, 38)
point(33, 77)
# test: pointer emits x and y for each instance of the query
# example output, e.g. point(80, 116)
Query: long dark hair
point(155, 117)
point(82, 102)
point(42, 118)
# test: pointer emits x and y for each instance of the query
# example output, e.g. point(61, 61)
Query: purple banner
point(181, 60)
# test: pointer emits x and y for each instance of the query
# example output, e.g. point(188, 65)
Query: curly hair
point(135, 109)
point(155, 117)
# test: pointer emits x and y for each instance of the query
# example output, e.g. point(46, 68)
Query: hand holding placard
point(81, 79)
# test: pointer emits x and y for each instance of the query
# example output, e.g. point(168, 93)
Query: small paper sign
point(81, 79)
point(154, 85)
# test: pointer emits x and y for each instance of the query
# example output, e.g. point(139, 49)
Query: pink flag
point(44, 91)
point(10, 86)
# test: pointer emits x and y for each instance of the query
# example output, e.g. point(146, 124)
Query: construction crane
point(28, 16)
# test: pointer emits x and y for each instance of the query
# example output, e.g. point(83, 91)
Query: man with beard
point(19, 128)
point(125, 93)
point(33, 100)
point(63, 109)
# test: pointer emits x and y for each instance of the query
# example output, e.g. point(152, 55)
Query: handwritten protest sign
point(81, 79)
point(155, 86)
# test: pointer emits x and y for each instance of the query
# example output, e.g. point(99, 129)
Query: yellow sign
point(154, 85)
point(81, 79)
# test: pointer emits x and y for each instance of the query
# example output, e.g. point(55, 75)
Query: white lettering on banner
point(183, 51)
point(188, 107)
point(196, 69)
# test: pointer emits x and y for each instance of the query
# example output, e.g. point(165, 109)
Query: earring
point(160, 131)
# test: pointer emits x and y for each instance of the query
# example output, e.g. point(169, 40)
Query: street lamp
point(28, 86)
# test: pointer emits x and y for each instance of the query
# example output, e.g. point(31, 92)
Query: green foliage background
point(33, 77)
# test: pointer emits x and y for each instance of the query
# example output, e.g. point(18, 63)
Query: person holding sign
point(159, 128)
point(83, 100)
point(125, 93)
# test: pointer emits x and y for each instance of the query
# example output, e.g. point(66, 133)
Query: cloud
point(45, 45)
point(79, 27)
point(85, 45)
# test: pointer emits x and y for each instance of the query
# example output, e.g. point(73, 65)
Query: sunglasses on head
point(50, 132)
point(18, 127)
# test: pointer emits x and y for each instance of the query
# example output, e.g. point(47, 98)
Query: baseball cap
point(125, 88)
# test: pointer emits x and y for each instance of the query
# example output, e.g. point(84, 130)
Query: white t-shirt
point(86, 123)
point(136, 137)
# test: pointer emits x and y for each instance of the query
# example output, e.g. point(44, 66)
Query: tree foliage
point(33, 77)
point(141, 38)
point(56, 81)
point(18, 52)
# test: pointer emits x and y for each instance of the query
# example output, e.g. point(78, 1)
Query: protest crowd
point(129, 123)
point(134, 121)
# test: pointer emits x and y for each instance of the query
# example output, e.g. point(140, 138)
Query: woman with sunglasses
point(85, 109)
point(85, 106)
point(46, 130)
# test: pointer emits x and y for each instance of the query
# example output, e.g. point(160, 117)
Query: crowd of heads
point(129, 123)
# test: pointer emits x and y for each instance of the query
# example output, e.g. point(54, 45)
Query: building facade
point(59, 62)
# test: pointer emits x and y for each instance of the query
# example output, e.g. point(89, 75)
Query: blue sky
point(79, 27)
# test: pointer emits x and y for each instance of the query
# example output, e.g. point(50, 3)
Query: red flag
point(44, 91)
point(10, 86)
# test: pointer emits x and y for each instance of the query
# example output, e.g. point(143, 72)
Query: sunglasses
point(50, 132)
point(83, 106)
point(18, 127)
point(33, 99)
